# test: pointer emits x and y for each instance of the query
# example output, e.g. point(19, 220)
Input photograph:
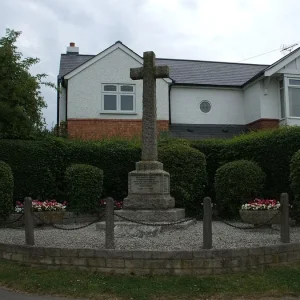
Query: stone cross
point(149, 72)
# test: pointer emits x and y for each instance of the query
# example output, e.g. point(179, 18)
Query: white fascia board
point(100, 56)
point(283, 63)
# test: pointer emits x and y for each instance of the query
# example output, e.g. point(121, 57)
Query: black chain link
point(246, 227)
point(12, 222)
point(153, 224)
point(70, 229)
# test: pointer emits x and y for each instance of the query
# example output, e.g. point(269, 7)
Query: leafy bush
point(295, 183)
point(187, 168)
point(235, 183)
point(6, 190)
point(84, 186)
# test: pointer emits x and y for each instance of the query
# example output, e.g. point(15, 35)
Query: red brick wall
point(91, 129)
point(263, 124)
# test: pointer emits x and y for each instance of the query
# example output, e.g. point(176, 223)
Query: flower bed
point(40, 206)
point(261, 212)
point(49, 211)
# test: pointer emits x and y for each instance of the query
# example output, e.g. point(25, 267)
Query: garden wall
point(202, 262)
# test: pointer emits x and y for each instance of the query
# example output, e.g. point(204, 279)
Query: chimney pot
point(72, 49)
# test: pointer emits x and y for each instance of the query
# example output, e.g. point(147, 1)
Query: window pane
point(282, 106)
point(126, 88)
point(294, 82)
point(110, 102)
point(127, 102)
point(294, 98)
point(110, 88)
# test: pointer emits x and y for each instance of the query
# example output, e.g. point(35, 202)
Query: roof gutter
point(258, 75)
point(208, 85)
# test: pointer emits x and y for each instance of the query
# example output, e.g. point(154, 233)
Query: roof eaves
point(281, 59)
point(258, 75)
point(210, 61)
point(117, 42)
point(207, 85)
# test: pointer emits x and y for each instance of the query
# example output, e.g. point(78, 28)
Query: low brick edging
point(202, 262)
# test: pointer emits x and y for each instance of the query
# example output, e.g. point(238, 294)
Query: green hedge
point(271, 149)
point(6, 190)
point(187, 168)
point(115, 158)
point(236, 183)
point(35, 166)
point(39, 166)
point(84, 187)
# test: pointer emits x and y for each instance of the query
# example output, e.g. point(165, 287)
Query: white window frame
point(118, 94)
point(287, 85)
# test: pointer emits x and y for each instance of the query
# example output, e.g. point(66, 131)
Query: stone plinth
point(151, 215)
point(148, 201)
point(129, 229)
point(149, 187)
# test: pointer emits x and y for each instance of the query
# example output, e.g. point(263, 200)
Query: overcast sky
point(231, 30)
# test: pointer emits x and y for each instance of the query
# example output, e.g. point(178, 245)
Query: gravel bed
point(224, 236)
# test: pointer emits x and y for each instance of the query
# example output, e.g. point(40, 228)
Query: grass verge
point(275, 281)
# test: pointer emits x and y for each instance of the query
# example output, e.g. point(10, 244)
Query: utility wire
point(259, 55)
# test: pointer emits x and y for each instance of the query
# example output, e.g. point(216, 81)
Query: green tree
point(21, 101)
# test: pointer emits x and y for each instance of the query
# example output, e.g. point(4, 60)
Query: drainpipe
point(170, 120)
point(66, 86)
point(58, 100)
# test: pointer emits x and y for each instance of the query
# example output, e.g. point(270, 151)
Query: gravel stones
point(224, 236)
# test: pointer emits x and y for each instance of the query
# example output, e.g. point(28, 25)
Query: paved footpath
point(8, 295)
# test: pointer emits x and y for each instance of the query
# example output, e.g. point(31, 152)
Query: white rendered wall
point(252, 103)
point(84, 89)
point(62, 105)
point(270, 100)
point(227, 106)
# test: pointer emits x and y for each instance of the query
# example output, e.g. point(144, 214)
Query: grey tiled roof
point(210, 73)
point(69, 62)
point(186, 71)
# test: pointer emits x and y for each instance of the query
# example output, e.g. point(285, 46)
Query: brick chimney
point(72, 49)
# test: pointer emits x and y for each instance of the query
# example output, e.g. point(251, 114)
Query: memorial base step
point(133, 230)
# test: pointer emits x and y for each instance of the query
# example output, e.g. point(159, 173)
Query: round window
point(205, 106)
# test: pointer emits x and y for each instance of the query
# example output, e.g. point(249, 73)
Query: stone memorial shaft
point(149, 72)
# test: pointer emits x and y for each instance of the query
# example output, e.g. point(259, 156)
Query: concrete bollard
point(28, 220)
point(207, 223)
point(284, 218)
point(109, 224)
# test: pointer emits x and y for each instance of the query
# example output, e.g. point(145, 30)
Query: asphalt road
point(8, 295)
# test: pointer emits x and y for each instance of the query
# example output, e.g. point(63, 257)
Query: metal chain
point(12, 222)
point(247, 227)
point(70, 229)
point(152, 224)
